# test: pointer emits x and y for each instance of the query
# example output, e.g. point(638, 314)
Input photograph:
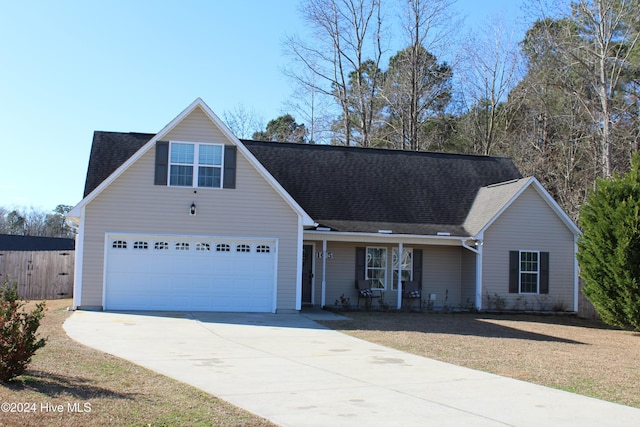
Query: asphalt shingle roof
point(349, 188)
point(108, 151)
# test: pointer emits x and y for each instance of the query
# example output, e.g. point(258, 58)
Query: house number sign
point(319, 255)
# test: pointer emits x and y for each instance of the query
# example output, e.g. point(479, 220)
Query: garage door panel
point(205, 280)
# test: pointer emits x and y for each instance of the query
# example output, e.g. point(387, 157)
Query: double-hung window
point(376, 267)
point(529, 272)
point(195, 165)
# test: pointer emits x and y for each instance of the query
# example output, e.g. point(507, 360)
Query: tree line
point(33, 222)
point(562, 102)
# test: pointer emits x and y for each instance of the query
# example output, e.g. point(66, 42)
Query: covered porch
point(447, 268)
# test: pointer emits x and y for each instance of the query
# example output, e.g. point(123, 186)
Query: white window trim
point(195, 164)
point(386, 265)
point(537, 273)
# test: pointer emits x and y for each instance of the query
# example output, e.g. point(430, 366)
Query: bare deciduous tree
point(606, 34)
point(242, 122)
point(415, 84)
point(491, 69)
point(346, 34)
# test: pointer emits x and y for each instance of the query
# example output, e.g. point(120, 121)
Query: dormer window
point(195, 165)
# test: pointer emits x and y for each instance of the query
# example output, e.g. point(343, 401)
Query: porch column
point(399, 275)
point(324, 273)
point(479, 276)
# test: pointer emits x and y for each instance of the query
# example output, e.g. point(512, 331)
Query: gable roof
point(12, 242)
point(490, 201)
point(366, 190)
point(493, 200)
point(119, 159)
point(352, 189)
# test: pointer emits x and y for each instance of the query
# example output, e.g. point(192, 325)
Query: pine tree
point(609, 250)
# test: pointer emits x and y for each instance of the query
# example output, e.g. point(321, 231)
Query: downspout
point(324, 273)
point(479, 277)
point(399, 275)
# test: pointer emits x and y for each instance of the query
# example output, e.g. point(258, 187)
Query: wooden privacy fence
point(586, 310)
point(40, 274)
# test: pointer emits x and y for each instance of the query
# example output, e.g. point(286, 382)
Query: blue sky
point(72, 67)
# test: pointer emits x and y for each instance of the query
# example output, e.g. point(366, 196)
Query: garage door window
point(243, 248)
point(119, 244)
point(204, 247)
point(182, 246)
point(223, 247)
point(140, 245)
point(264, 249)
point(161, 246)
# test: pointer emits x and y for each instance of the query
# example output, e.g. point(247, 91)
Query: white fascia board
point(343, 236)
point(546, 197)
point(198, 103)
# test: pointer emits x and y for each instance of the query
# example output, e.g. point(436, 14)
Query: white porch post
point(324, 273)
point(479, 276)
point(399, 275)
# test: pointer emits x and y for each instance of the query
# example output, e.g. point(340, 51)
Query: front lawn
point(576, 355)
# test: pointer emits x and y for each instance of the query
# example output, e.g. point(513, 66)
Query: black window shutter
point(544, 272)
point(417, 266)
point(162, 163)
point(360, 263)
point(229, 166)
point(514, 271)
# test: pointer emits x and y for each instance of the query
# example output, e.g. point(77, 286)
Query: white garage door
point(145, 272)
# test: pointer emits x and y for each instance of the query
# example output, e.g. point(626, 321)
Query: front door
point(307, 274)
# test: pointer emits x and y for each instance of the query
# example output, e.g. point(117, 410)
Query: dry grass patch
point(571, 354)
point(116, 392)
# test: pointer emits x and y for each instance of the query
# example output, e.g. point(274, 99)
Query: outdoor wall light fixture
point(192, 209)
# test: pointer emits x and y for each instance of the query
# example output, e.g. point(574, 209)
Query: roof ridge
point(498, 184)
point(372, 149)
point(123, 133)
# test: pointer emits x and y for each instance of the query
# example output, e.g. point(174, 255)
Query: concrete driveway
point(293, 371)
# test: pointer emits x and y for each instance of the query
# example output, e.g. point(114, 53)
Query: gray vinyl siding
point(133, 204)
point(529, 224)
point(441, 273)
point(468, 285)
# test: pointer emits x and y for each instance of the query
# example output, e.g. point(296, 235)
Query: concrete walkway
point(291, 370)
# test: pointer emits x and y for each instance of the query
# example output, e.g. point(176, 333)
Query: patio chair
point(412, 290)
point(365, 292)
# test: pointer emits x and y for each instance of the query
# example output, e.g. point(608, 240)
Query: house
point(192, 218)
point(41, 266)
